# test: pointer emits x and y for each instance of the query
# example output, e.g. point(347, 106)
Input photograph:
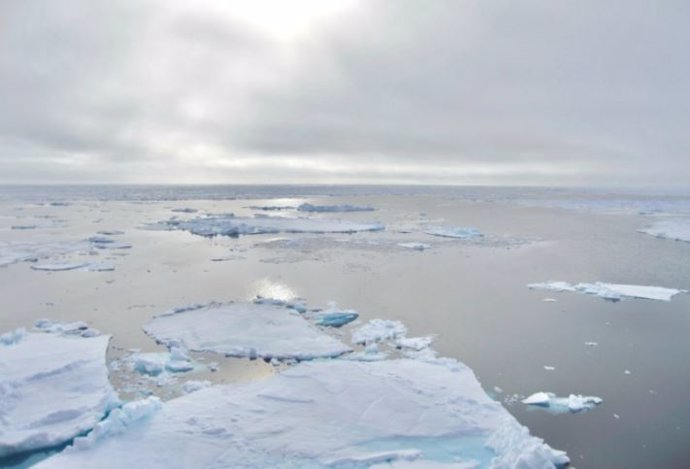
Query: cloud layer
point(451, 92)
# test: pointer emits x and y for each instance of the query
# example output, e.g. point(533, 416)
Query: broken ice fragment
point(454, 232)
point(611, 291)
point(574, 403)
point(378, 330)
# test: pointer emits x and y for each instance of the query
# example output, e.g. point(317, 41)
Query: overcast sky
point(570, 92)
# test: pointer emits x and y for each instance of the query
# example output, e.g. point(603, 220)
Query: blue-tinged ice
point(333, 413)
point(574, 403)
point(53, 386)
point(454, 232)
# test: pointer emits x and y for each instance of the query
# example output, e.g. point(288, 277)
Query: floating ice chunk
point(415, 246)
point(574, 403)
point(549, 368)
point(378, 330)
point(334, 208)
point(320, 413)
point(245, 330)
point(591, 344)
point(111, 232)
point(72, 328)
point(100, 239)
point(333, 318)
point(674, 229)
point(454, 232)
point(53, 387)
point(112, 245)
point(611, 291)
point(235, 226)
point(12, 337)
point(193, 386)
point(59, 266)
point(100, 267)
point(156, 363)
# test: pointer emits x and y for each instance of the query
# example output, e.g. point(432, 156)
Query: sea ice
point(229, 225)
point(454, 232)
point(53, 386)
point(13, 252)
point(333, 317)
point(244, 330)
point(611, 291)
point(574, 403)
point(59, 266)
point(675, 229)
point(378, 330)
point(334, 208)
point(415, 246)
point(320, 414)
point(153, 363)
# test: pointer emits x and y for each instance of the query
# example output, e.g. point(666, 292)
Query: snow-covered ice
point(306, 207)
point(677, 229)
point(454, 232)
point(334, 413)
point(574, 403)
point(53, 386)
point(611, 291)
point(244, 330)
point(155, 363)
point(229, 225)
point(378, 330)
point(17, 251)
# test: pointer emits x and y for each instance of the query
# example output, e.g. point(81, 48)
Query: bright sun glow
point(286, 19)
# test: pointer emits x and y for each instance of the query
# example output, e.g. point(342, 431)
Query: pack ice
point(454, 232)
point(53, 385)
point(334, 208)
point(675, 229)
point(229, 225)
point(332, 413)
point(239, 329)
point(611, 291)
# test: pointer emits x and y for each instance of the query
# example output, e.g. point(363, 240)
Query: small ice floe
point(549, 368)
point(454, 232)
point(415, 246)
point(334, 208)
point(59, 266)
point(574, 403)
point(591, 344)
point(53, 386)
point(254, 330)
point(154, 363)
point(229, 225)
point(64, 266)
point(232, 257)
point(414, 343)
point(611, 291)
point(12, 252)
point(111, 232)
point(319, 414)
point(378, 330)
point(184, 210)
point(549, 300)
point(674, 229)
point(24, 227)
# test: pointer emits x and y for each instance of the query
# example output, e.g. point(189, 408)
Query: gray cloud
point(389, 91)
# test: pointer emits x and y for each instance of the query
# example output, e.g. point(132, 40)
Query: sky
point(556, 93)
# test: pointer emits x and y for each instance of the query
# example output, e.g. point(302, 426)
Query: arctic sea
point(453, 263)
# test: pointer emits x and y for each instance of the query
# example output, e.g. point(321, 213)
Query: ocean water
point(470, 294)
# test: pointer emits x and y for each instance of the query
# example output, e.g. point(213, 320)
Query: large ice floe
point(229, 225)
point(611, 291)
point(255, 330)
point(677, 229)
point(332, 413)
point(574, 403)
point(53, 385)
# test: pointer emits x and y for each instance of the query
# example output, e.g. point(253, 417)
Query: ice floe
point(63, 266)
point(675, 229)
point(574, 403)
point(19, 251)
point(229, 225)
point(254, 330)
point(320, 414)
point(333, 318)
point(53, 386)
point(415, 246)
point(334, 208)
point(453, 232)
point(155, 363)
point(611, 291)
